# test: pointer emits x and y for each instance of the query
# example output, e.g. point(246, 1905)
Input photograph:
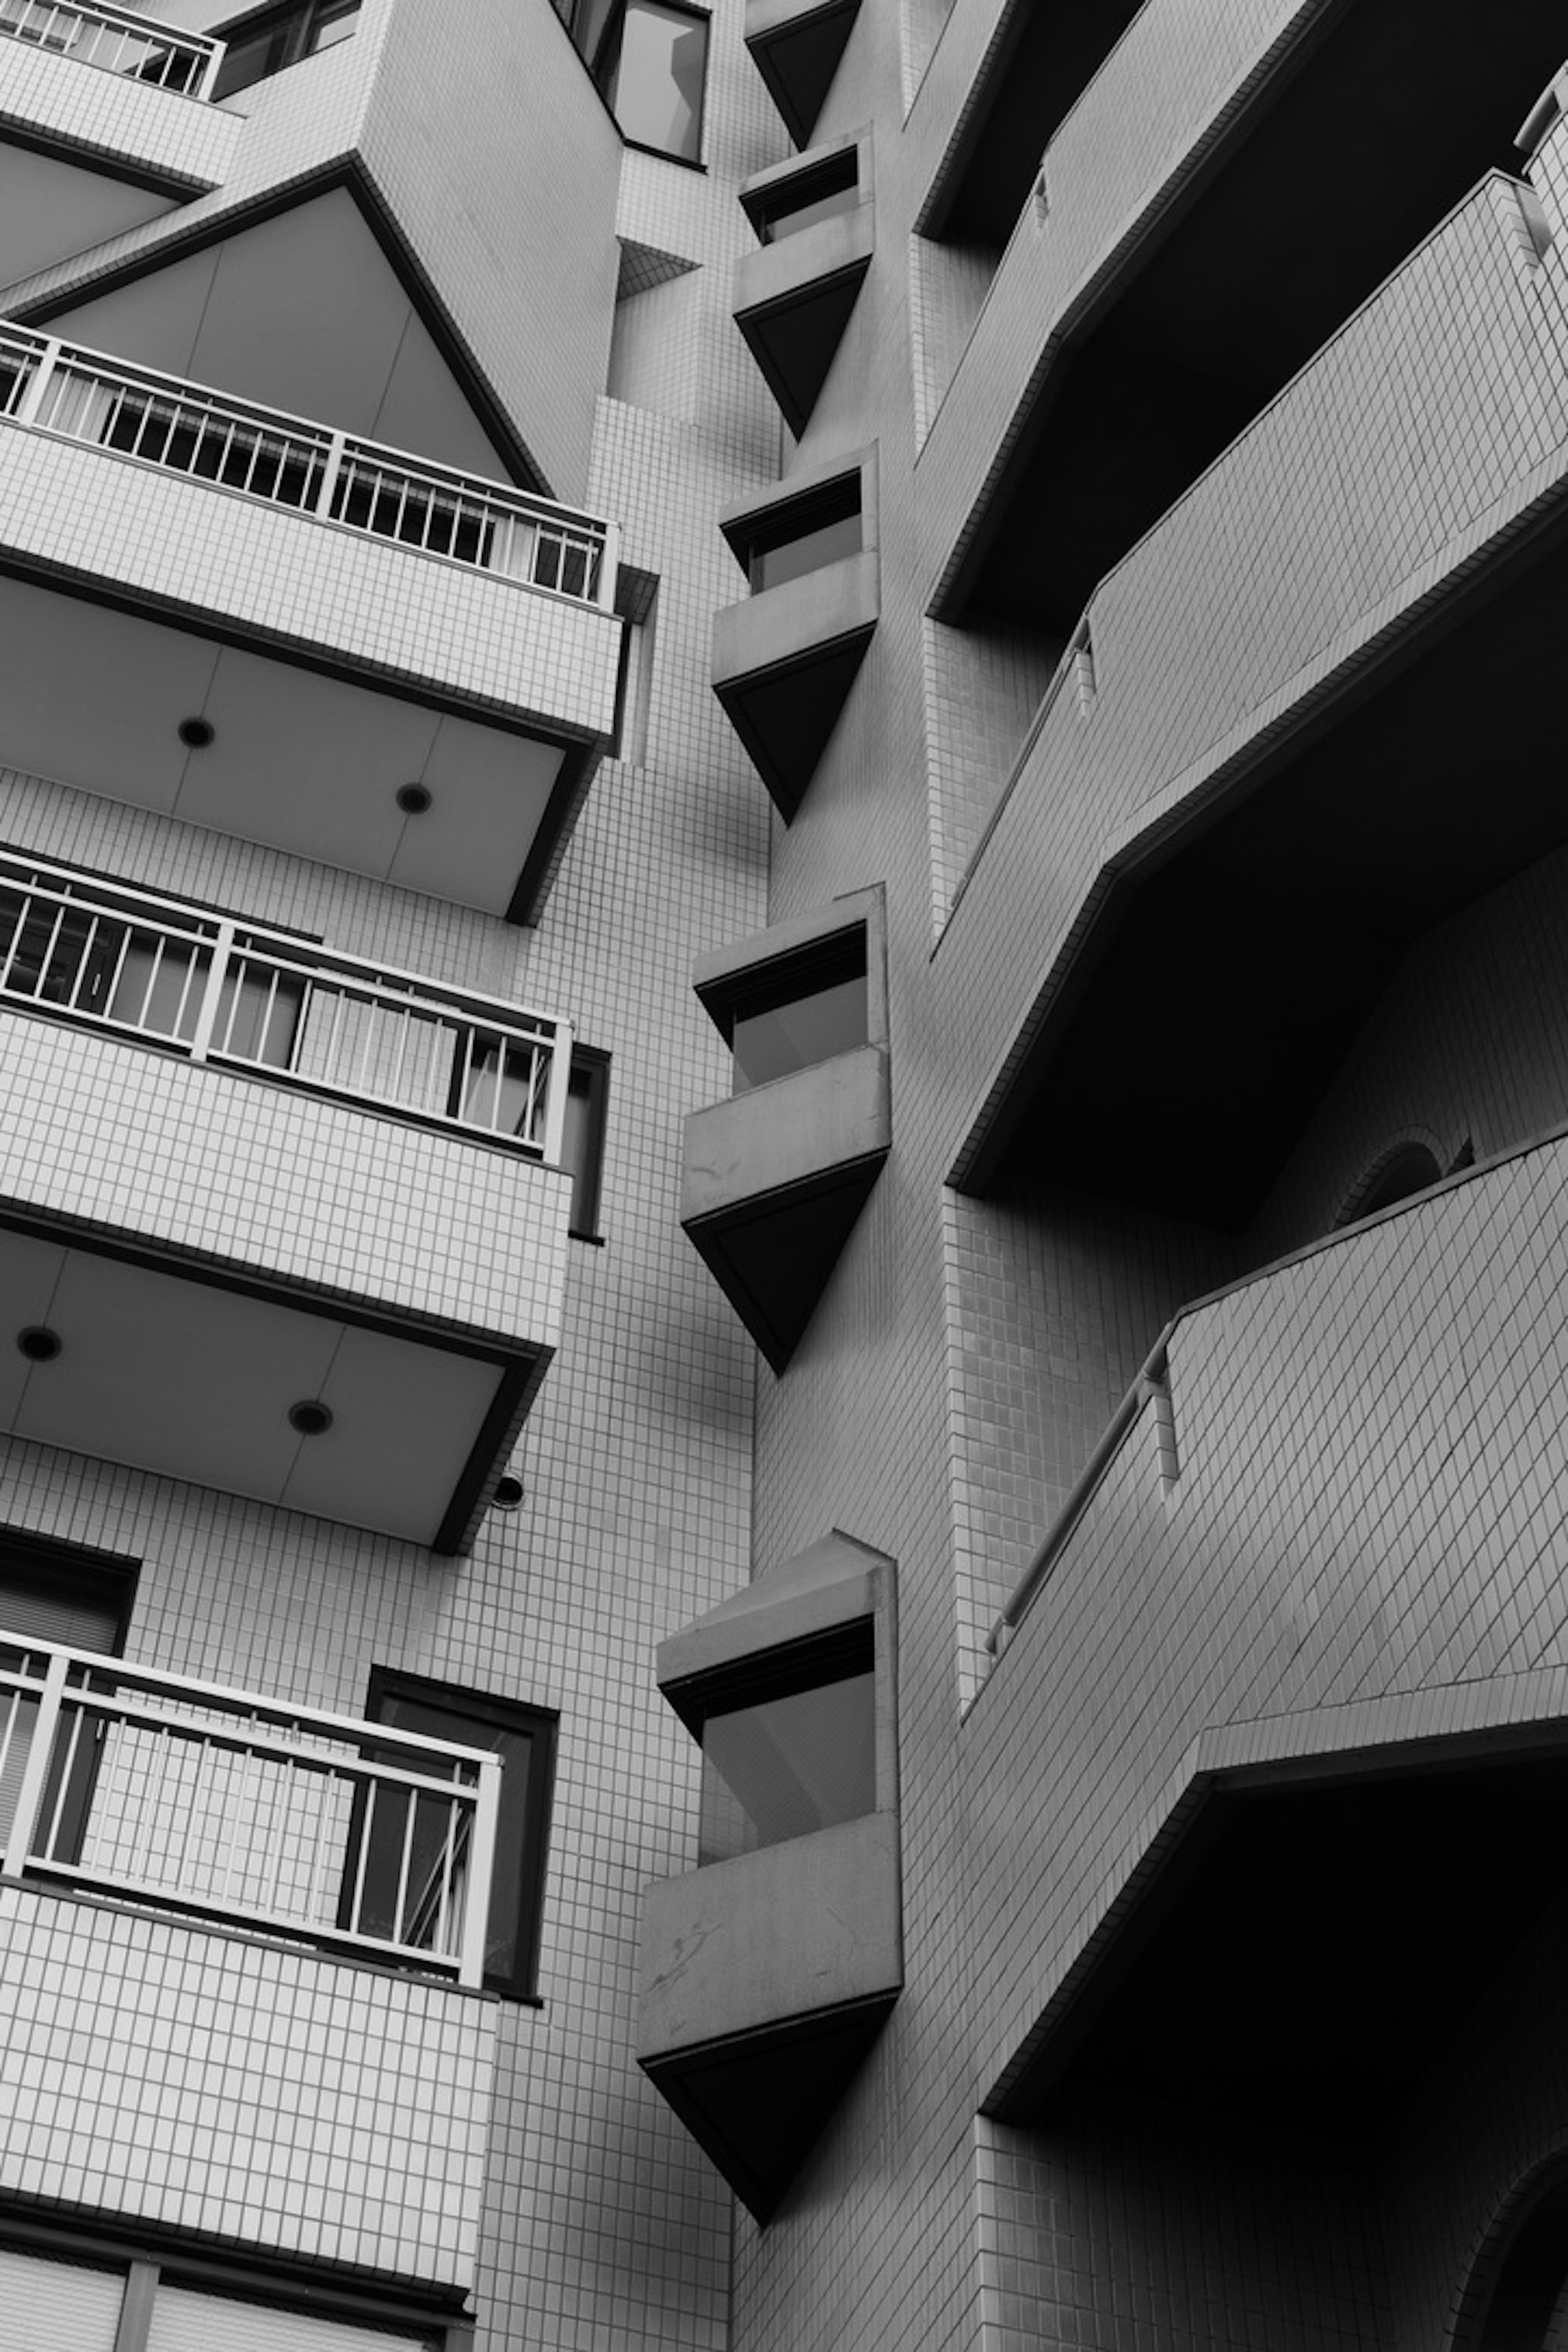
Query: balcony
point(786, 657)
point(774, 1181)
point(176, 1808)
point(296, 635)
point(85, 154)
point(768, 1971)
point(235, 1170)
point(1248, 854)
point(796, 45)
point(792, 301)
point(1279, 1718)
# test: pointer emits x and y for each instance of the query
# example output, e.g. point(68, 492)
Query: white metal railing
point(287, 461)
point(239, 996)
point(217, 1804)
point(118, 39)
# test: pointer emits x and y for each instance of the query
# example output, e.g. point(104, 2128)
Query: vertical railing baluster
point(45, 1846)
point(356, 1908)
point(557, 1091)
point(410, 1812)
point(28, 407)
point(481, 1860)
point(222, 948)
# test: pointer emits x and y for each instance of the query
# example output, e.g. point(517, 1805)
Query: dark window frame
point(540, 1724)
point(836, 958)
point(772, 210)
point(788, 522)
point(589, 1076)
point(294, 20)
point(597, 31)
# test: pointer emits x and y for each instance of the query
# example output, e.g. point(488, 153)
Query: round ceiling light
point(311, 1417)
point(195, 734)
point(38, 1343)
point(508, 1493)
point(414, 799)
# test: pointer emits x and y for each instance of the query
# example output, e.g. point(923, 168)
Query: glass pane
point(184, 2321)
point(787, 1766)
point(831, 541)
point(45, 2303)
point(253, 60)
point(332, 24)
point(658, 80)
point(515, 1749)
point(787, 218)
point(787, 1037)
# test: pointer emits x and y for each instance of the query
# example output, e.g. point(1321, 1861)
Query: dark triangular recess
point(772, 1256)
point(798, 60)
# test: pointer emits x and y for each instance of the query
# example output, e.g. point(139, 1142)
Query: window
point(121, 2302)
point(524, 1739)
point(792, 1746)
point(786, 542)
point(806, 197)
point(262, 45)
point(583, 1144)
point(53, 1592)
point(650, 61)
point(799, 1012)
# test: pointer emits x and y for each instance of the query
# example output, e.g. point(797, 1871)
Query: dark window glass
point(810, 196)
point(524, 1739)
point(796, 1755)
point(583, 1144)
point(260, 45)
point(655, 82)
point(50, 1593)
point(806, 1010)
point(803, 536)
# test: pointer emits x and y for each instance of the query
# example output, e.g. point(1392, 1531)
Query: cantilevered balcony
point(792, 301)
point(179, 1808)
point(768, 1971)
point(786, 657)
point(1286, 1855)
point(295, 635)
point(275, 1220)
point(103, 123)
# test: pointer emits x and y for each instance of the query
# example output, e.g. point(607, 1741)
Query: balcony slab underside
point(334, 669)
point(211, 1251)
point(1338, 1808)
point(765, 1979)
point(772, 1182)
point(792, 303)
point(784, 663)
point(152, 2023)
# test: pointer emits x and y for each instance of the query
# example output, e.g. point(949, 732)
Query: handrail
point(240, 995)
point(290, 461)
point(119, 40)
point(218, 1803)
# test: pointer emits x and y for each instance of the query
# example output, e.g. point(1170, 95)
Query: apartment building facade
point(781, 1504)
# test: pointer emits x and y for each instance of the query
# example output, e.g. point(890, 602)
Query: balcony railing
point(264, 454)
point(241, 996)
point(214, 1803)
point(117, 39)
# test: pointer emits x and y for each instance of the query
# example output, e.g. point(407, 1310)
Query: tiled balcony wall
point(121, 86)
point(1306, 1551)
point(264, 2096)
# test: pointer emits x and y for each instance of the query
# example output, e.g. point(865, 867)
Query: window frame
point(294, 18)
point(467, 1706)
point(155, 2257)
point(598, 33)
point(590, 1066)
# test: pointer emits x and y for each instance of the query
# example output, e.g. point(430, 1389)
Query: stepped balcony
point(184, 1869)
point(274, 1220)
point(294, 634)
point(106, 120)
point(1332, 1511)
